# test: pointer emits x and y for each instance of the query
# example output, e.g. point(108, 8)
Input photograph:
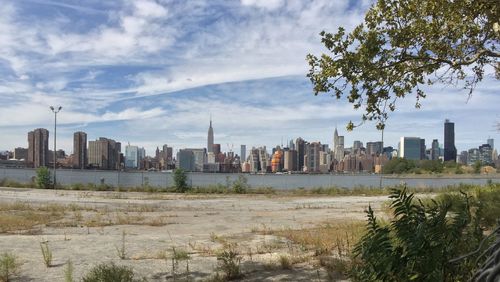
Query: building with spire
point(338, 146)
point(210, 139)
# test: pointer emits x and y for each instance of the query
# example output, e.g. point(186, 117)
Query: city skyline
point(152, 73)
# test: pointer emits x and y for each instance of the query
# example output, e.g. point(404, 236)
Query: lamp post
point(55, 111)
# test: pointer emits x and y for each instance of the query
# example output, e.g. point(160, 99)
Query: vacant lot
point(172, 236)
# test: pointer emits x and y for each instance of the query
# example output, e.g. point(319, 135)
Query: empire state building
point(210, 141)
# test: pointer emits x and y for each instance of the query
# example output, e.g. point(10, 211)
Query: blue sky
point(152, 72)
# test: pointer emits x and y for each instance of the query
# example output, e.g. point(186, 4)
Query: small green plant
point(229, 263)
point(9, 267)
point(43, 178)
point(46, 253)
point(109, 273)
point(179, 255)
point(68, 272)
point(240, 185)
point(121, 250)
point(180, 180)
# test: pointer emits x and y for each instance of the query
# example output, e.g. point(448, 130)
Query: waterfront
point(276, 181)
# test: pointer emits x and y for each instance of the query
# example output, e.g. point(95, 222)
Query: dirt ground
point(88, 228)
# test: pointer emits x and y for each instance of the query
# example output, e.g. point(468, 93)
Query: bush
point(109, 273)
point(180, 180)
point(43, 179)
point(240, 185)
point(9, 267)
point(419, 241)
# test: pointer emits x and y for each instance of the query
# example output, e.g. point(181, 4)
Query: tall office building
point(186, 160)
point(21, 154)
point(104, 153)
point(80, 150)
point(210, 139)
point(356, 147)
point(131, 156)
point(290, 160)
point(435, 150)
point(410, 148)
point(300, 148)
point(312, 157)
point(168, 155)
point(338, 146)
point(422, 149)
point(38, 147)
point(374, 148)
point(491, 142)
point(243, 153)
point(450, 152)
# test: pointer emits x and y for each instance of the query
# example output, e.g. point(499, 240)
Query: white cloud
point(267, 4)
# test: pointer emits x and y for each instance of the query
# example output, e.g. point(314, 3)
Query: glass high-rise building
point(450, 151)
point(410, 148)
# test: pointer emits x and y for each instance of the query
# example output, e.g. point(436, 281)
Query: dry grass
point(20, 216)
point(333, 238)
point(26, 217)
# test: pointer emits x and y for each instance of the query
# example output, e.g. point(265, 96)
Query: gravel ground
point(199, 224)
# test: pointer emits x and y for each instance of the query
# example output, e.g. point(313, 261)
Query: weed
point(230, 263)
point(179, 255)
point(121, 251)
point(46, 253)
point(9, 267)
point(68, 272)
point(285, 261)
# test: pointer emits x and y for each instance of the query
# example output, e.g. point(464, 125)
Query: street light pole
point(55, 111)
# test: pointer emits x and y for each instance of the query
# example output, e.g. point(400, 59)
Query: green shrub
point(240, 185)
point(180, 180)
point(43, 179)
point(9, 267)
point(419, 241)
point(109, 273)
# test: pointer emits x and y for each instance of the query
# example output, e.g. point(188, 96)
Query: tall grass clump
point(9, 267)
point(68, 272)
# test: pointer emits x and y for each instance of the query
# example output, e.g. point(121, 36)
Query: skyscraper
point(131, 156)
point(210, 139)
point(491, 142)
point(80, 150)
point(450, 152)
point(38, 147)
point(435, 150)
point(410, 148)
point(300, 148)
point(243, 153)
